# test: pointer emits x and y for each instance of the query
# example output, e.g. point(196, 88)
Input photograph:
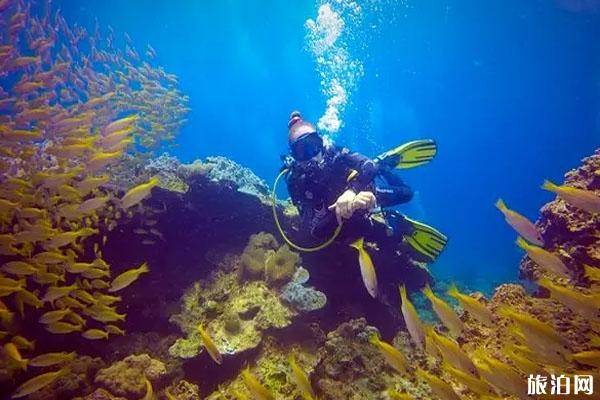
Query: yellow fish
point(591, 357)
point(239, 395)
point(149, 391)
point(53, 316)
point(94, 334)
point(23, 343)
point(547, 345)
point(102, 159)
point(56, 292)
point(210, 346)
point(91, 205)
point(393, 356)
point(440, 388)
point(517, 356)
point(586, 200)
point(478, 310)
point(452, 353)
point(499, 374)
point(255, 387)
point(61, 328)
point(38, 382)
point(49, 359)
point(592, 273)
point(475, 384)
point(367, 269)
point(115, 330)
point(302, 381)
point(395, 395)
point(19, 268)
point(577, 302)
point(522, 225)
point(548, 261)
point(120, 124)
point(138, 193)
point(13, 353)
point(411, 318)
point(444, 312)
point(127, 278)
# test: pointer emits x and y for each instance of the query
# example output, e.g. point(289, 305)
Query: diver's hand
point(343, 206)
point(364, 201)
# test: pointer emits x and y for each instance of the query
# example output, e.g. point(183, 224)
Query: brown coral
point(281, 265)
point(126, 377)
point(254, 257)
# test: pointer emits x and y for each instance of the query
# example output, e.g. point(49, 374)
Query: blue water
point(509, 89)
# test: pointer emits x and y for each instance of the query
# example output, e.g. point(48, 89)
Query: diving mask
point(306, 146)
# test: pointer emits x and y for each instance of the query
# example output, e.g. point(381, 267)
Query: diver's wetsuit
point(315, 185)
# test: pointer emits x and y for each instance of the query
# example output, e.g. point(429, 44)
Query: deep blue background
point(509, 89)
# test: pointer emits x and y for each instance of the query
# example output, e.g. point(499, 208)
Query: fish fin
point(358, 244)
point(501, 205)
point(547, 185)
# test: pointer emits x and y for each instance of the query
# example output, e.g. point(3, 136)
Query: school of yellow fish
point(67, 116)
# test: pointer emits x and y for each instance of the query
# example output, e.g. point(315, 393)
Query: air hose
point(287, 240)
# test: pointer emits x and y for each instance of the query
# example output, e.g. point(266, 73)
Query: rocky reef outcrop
point(569, 232)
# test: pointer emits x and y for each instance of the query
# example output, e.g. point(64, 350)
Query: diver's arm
point(367, 169)
point(396, 191)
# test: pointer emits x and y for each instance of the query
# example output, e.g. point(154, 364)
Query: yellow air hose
point(287, 240)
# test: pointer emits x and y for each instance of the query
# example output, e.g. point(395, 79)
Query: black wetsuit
point(315, 185)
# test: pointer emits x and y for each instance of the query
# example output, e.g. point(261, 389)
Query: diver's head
point(303, 138)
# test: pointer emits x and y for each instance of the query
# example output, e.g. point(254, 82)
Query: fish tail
point(358, 244)
point(522, 243)
point(374, 339)
point(144, 268)
point(428, 292)
point(501, 205)
point(547, 185)
point(453, 290)
point(403, 292)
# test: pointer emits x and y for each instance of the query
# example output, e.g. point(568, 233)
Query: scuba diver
point(332, 187)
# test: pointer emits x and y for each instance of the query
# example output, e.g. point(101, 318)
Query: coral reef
point(302, 297)
point(78, 381)
point(174, 175)
point(126, 377)
point(245, 181)
point(272, 369)
point(568, 231)
point(183, 390)
point(264, 259)
point(212, 303)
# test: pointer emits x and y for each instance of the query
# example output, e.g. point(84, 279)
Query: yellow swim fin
point(426, 240)
point(409, 155)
